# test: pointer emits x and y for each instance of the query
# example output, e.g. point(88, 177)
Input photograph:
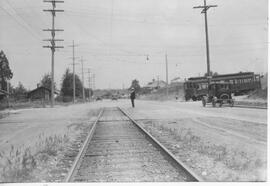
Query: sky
point(114, 38)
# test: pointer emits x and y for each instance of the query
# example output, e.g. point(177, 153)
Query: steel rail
point(178, 162)
point(247, 106)
point(83, 149)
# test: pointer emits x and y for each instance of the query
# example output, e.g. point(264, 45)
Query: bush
point(17, 165)
point(67, 99)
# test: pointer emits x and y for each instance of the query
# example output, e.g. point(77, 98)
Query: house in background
point(154, 85)
point(177, 82)
point(40, 93)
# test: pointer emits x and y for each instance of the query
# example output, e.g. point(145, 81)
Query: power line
point(20, 21)
point(128, 18)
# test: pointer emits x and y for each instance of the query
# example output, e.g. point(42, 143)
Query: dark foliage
point(67, 85)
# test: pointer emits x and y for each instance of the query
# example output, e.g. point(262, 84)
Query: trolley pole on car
point(83, 80)
point(52, 40)
point(204, 11)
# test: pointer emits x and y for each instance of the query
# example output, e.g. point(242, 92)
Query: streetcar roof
point(204, 79)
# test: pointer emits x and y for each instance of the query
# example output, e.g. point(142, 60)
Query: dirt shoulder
point(33, 142)
point(216, 144)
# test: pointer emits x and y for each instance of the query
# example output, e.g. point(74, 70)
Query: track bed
point(119, 152)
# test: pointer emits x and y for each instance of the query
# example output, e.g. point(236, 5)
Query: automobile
point(114, 97)
point(218, 93)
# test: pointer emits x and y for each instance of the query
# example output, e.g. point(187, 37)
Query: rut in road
point(119, 152)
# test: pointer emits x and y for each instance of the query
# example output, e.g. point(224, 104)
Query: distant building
point(40, 93)
point(156, 84)
point(176, 82)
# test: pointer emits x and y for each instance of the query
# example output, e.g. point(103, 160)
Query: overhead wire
point(20, 20)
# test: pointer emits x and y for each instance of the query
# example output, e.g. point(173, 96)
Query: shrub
point(17, 165)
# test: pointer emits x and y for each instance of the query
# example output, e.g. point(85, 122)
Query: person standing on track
point(132, 96)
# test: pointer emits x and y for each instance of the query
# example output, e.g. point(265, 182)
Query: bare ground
point(221, 144)
point(38, 139)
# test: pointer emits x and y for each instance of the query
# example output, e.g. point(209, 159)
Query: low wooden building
point(40, 93)
point(154, 85)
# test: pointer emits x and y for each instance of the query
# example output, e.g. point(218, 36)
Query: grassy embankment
point(33, 163)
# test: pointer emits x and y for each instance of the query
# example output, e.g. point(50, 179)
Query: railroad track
point(118, 149)
point(248, 106)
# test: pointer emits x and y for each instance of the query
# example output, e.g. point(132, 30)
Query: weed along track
point(117, 149)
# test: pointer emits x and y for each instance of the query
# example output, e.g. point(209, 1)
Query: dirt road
point(232, 140)
point(221, 144)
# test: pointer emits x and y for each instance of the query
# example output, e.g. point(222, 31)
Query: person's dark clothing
point(132, 102)
point(132, 97)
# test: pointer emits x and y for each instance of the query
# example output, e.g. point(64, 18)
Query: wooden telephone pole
point(83, 80)
point(52, 40)
point(204, 11)
point(73, 65)
point(167, 79)
point(89, 82)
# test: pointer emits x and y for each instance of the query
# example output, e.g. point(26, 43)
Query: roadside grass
point(234, 159)
point(50, 146)
point(18, 164)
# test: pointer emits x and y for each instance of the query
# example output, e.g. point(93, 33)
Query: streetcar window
point(204, 86)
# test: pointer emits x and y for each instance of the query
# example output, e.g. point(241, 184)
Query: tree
point(46, 81)
point(135, 84)
point(5, 71)
point(19, 92)
point(67, 85)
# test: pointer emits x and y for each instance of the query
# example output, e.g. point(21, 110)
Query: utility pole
point(73, 64)
point(94, 81)
point(8, 93)
point(52, 40)
point(204, 11)
point(83, 80)
point(167, 83)
point(89, 82)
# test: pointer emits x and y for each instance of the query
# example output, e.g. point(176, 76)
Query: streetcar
point(241, 83)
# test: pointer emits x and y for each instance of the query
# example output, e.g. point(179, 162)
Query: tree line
point(20, 92)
